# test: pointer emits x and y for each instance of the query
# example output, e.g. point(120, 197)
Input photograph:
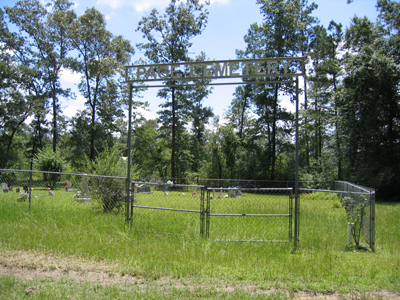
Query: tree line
point(349, 116)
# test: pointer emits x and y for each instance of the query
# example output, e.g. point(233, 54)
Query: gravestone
point(68, 187)
point(24, 194)
point(235, 193)
point(83, 194)
point(4, 187)
point(145, 189)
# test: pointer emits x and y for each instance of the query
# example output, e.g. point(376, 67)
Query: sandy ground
point(32, 265)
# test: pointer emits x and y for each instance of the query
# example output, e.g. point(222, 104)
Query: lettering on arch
point(210, 70)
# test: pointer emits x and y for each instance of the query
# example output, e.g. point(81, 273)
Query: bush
point(108, 192)
point(50, 161)
point(8, 177)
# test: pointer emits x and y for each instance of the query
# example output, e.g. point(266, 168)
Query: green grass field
point(196, 267)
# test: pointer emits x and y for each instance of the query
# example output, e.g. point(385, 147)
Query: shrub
point(108, 192)
point(50, 161)
point(9, 177)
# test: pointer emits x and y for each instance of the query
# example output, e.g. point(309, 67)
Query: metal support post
point(128, 176)
point(296, 186)
point(30, 190)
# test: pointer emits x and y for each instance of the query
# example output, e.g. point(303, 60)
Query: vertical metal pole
point(296, 185)
point(202, 210)
point(30, 190)
point(208, 217)
point(372, 221)
point(128, 176)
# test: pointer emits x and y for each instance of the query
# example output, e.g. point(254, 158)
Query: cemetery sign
point(207, 70)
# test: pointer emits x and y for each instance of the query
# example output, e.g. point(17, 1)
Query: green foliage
point(109, 193)
point(349, 125)
point(321, 196)
point(101, 56)
point(8, 177)
point(50, 161)
point(182, 21)
point(354, 206)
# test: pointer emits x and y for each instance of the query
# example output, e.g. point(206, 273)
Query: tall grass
point(58, 224)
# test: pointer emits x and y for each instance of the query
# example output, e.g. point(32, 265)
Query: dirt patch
point(31, 265)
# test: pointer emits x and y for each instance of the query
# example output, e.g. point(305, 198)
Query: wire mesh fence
point(225, 211)
point(359, 203)
point(338, 216)
point(222, 183)
point(37, 189)
point(250, 214)
point(168, 208)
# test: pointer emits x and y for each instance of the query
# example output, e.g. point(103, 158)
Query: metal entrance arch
point(271, 69)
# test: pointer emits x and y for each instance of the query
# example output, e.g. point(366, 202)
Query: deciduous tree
point(168, 41)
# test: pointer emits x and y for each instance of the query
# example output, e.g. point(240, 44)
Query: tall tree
point(371, 102)
point(324, 81)
point(150, 150)
point(46, 32)
point(21, 89)
point(168, 41)
point(277, 36)
point(199, 115)
point(306, 26)
point(100, 57)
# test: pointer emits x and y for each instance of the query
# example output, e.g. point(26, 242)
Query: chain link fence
point(250, 214)
point(168, 208)
point(343, 213)
point(329, 215)
point(39, 189)
point(359, 203)
point(222, 183)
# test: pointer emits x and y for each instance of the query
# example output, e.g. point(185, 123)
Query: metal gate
point(168, 208)
point(250, 214)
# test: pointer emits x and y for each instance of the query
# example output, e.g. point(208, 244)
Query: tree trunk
point(274, 121)
point(54, 120)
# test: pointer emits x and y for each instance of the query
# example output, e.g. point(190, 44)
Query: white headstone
point(4, 186)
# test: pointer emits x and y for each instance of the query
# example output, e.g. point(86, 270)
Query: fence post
point(296, 185)
point(128, 173)
point(372, 216)
point(30, 190)
point(202, 210)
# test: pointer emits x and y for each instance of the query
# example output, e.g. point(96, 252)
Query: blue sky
point(228, 22)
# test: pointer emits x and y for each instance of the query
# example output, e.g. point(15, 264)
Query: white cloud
point(71, 107)
point(143, 5)
point(224, 2)
point(147, 114)
point(69, 76)
point(71, 110)
point(289, 106)
point(138, 5)
point(80, 100)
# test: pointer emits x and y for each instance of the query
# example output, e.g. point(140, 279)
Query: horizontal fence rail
point(38, 188)
point(168, 207)
point(345, 212)
point(222, 210)
point(249, 214)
